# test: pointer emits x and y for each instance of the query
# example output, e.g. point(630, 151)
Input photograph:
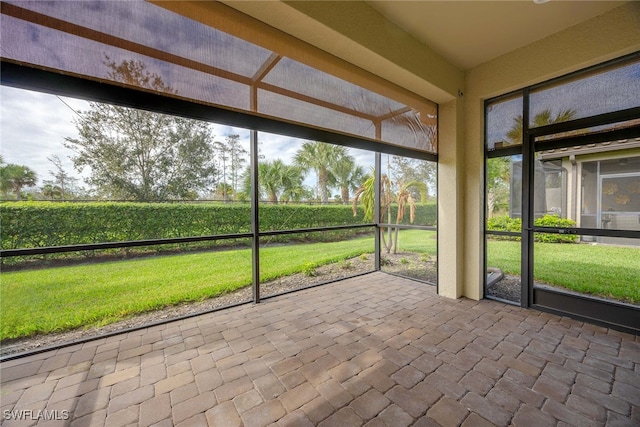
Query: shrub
point(555, 221)
point(309, 270)
point(506, 223)
point(42, 224)
point(426, 214)
point(345, 264)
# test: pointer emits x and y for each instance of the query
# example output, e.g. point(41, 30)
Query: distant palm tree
point(279, 180)
point(541, 119)
point(15, 177)
point(321, 158)
point(51, 191)
point(348, 177)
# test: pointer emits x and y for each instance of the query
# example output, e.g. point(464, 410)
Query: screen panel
point(97, 39)
point(600, 91)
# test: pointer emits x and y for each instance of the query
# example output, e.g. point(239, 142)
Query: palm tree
point(366, 195)
point(321, 158)
point(541, 119)
point(52, 191)
point(280, 181)
point(15, 177)
point(403, 199)
point(348, 176)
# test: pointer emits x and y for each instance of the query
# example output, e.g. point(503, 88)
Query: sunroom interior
point(409, 79)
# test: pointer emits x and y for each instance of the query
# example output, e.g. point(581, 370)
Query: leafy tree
point(222, 157)
point(141, 155)
point(499, 169)
point(223, 191)
point(5, 178)
point(366, 195)
point(293, 190)
point(63, 183)
point(498, 183)
point(237, 159)
point(52, 191)
point(231, 158)
point(321, 158)
point(405, 169)
point(14, 178)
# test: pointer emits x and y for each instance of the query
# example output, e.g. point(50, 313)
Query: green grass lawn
point(62, 298)
point(420, 241)
point(601, 270)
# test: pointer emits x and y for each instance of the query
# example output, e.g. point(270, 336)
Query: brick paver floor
point(375, 350)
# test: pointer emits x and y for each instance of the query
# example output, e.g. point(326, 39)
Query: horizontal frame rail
point(114, 245)
point(156, 242)
point(313, 229)
point(408, 226)
point(588, 232)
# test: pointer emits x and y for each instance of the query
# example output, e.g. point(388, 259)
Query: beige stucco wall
point(605, 37)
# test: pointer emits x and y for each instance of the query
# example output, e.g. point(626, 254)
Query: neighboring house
point(597, 185)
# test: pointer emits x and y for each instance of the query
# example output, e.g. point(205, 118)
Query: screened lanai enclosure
point(225, 161)
point(215, 164)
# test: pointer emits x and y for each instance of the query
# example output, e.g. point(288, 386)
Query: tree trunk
point(345, 195)
point(395, 242)
point(389, 245)
point(491, 202)
point(323, 180)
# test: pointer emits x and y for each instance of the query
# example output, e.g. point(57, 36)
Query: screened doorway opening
point(562, 222)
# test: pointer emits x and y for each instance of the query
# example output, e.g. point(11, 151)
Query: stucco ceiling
point(468, 33)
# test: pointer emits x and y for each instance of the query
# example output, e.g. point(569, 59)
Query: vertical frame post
point(528, 170)
point(376, 208)
point(255, 226)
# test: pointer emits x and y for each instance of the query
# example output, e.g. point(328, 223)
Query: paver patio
point(373, 350)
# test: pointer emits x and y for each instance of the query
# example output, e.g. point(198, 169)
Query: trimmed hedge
point(506, 223)
point(41, 224)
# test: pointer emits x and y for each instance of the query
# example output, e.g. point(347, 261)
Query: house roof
point(600, 147)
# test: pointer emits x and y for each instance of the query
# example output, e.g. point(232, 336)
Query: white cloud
point(33, 126)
